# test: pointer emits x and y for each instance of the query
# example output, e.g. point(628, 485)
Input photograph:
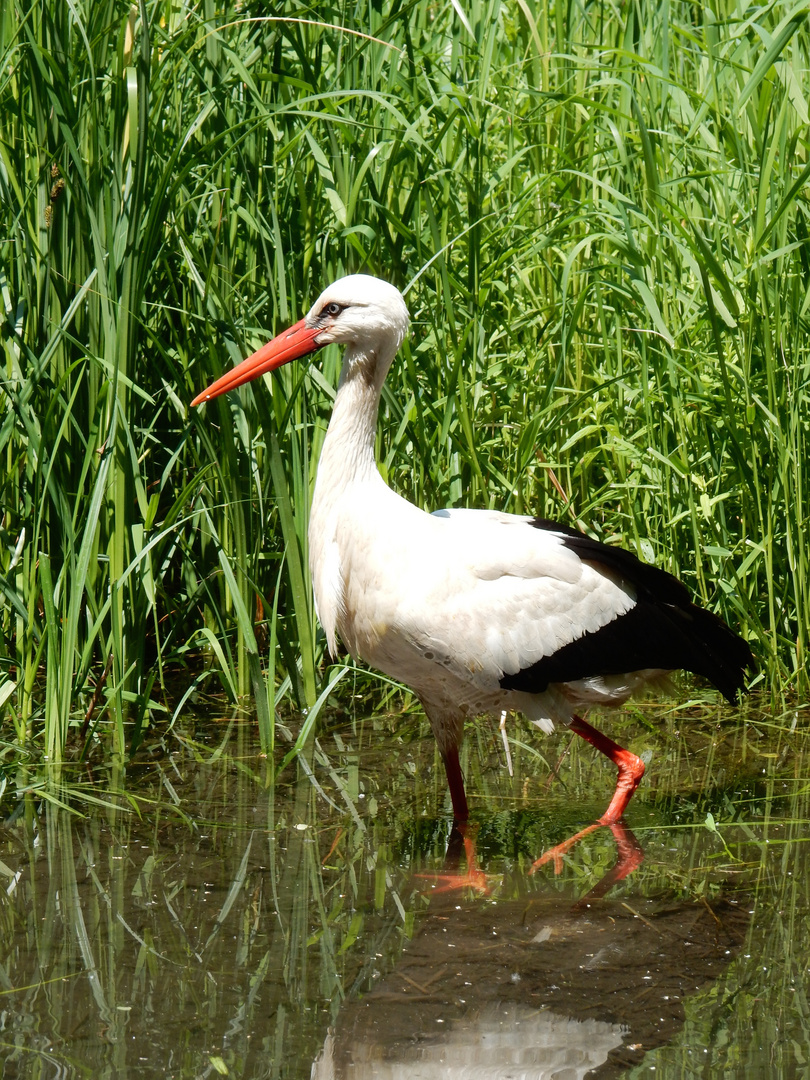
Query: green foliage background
point(600, 212)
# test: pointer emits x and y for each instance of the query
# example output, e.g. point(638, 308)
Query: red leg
point(631, 768)
point(462, 834)
point(455, 781)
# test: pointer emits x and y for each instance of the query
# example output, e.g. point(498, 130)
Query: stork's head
point(359, 310)
point(362, 312)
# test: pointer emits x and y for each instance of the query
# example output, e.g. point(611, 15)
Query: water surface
point(186, 918)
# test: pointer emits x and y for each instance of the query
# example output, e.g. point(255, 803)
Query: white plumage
point(477, 611)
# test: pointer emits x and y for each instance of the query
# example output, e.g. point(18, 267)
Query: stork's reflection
point(546, 986)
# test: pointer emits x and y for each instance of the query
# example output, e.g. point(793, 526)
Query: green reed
point(601, 216)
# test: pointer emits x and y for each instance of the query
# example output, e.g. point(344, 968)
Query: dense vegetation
point(600, 212)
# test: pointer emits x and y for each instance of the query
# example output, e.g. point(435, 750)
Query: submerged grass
point(600, 214)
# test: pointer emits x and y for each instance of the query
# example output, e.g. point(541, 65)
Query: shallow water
point(184, 918)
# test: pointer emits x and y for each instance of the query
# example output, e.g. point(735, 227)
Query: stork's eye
point(333, 309)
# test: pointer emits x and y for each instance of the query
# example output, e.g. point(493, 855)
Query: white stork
point(477, 611)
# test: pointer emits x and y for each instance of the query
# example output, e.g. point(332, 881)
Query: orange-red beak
point(289, 345)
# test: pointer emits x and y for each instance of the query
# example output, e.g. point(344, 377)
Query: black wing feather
point(663, 630)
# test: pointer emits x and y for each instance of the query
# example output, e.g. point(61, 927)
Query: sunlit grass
point(602, 217)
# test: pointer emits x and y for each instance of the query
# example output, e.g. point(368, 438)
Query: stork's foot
point(556, 853)
point(462, 838)
point(629, 856)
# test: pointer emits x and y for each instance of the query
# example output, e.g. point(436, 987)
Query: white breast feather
point(480, 593)
point(327, 574)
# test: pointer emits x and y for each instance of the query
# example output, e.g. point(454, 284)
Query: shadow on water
point(190, 920)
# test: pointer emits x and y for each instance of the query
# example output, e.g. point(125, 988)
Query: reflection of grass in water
point(209, 924)
point(756, 1019)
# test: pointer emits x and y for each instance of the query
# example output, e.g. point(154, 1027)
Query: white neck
point(348, 484)
point(348, 450)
